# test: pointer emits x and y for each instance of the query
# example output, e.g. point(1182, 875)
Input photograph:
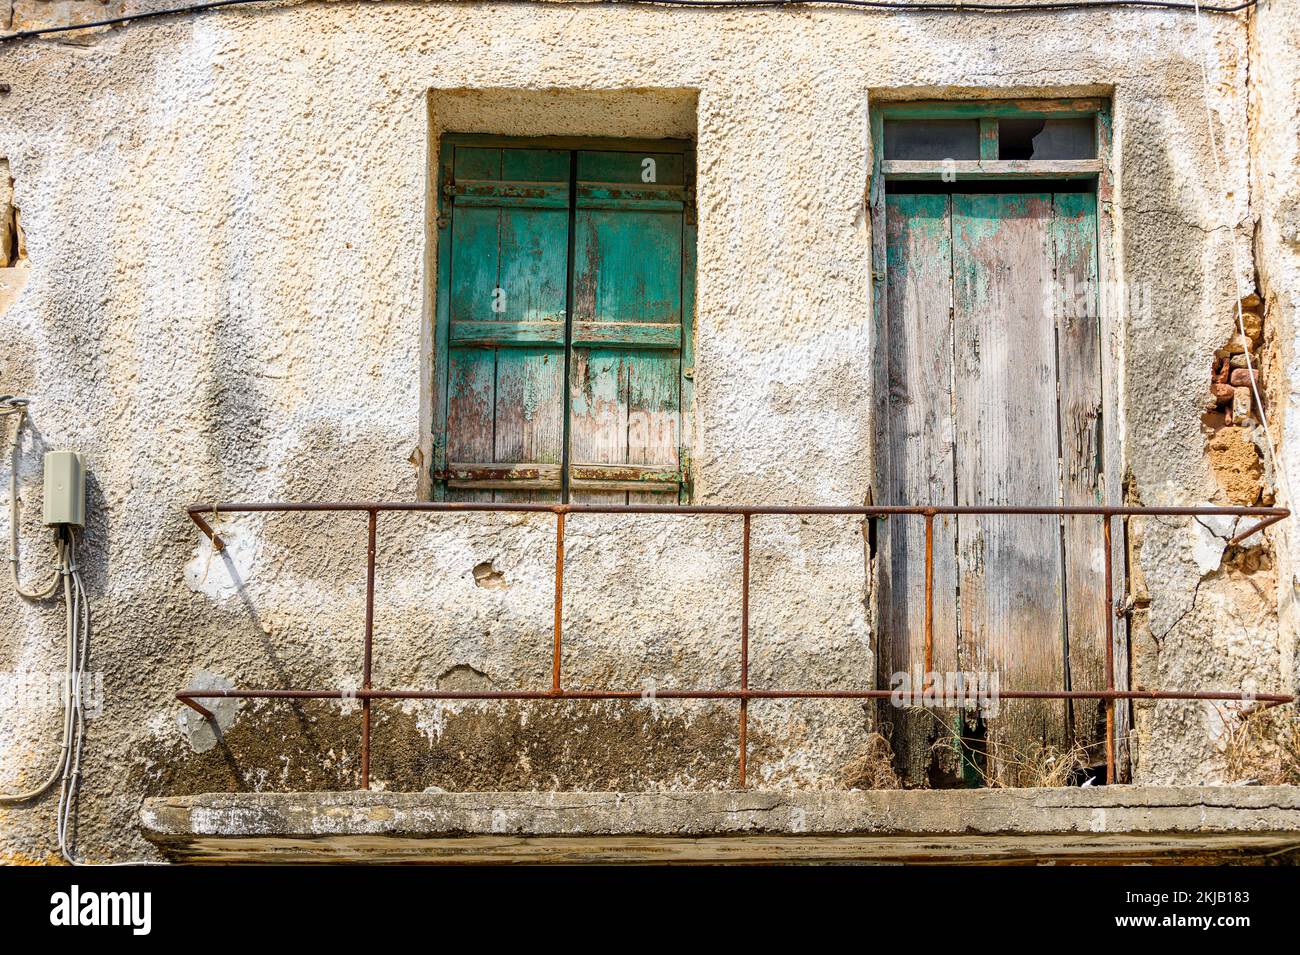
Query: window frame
point(988, 166)
point(441, 266)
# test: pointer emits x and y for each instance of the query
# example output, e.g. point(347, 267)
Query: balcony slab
point(1144, 824)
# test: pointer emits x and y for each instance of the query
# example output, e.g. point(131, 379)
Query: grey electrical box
point(65, 489)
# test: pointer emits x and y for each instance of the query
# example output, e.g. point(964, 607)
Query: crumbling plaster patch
point(203, 733)
point(14, 264)
point(1274, 37)
point(1237, 464)
point(229, 300)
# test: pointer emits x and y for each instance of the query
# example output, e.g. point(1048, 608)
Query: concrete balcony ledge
point(1162, 824)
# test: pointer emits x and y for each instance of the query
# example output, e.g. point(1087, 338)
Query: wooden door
point(995, 399)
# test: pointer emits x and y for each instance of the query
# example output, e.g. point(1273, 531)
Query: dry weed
point(1264, 746)
point(873, 768)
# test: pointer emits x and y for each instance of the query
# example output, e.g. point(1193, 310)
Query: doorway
point(994, 395)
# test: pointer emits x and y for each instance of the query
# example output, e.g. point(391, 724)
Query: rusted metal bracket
point(1266, 522)
point(203, 711)
point(196, 515)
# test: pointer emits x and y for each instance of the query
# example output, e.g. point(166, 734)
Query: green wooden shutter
point(507, 307)
point(520, 298)
point(626, 361)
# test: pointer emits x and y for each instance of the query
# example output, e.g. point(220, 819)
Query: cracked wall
point(14, 264)
point(1275, 184)
point(228, 300)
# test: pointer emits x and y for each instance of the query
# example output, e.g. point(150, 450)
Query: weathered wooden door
point(995, 399)
point(562, 260)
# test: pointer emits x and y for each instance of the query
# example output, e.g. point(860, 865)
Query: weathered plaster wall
point(1275, 136)
point(228, 299)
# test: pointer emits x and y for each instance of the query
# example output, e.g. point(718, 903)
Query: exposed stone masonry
point(1232, 417)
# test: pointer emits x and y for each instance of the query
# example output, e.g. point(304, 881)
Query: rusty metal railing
point(367, 694)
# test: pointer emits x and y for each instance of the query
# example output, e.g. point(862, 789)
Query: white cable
point(46, 591)
point(65, 748)
point(67, 769)
point(70, 788)
point(11, 407)
point(79, 615)
point(1280, 478)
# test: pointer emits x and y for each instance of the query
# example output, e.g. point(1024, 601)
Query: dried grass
point(1041, 766)
point(1264, 747)
point(873, 768)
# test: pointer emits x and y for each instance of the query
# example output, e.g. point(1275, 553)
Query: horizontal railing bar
point(882, 510)
point(946, 696)
point(363, 694)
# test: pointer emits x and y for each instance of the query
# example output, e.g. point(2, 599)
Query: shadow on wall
point(203, 735)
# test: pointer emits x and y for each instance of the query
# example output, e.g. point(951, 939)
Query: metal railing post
point(1110, 652)
point(744, 650)
point(368, 654)
point(557, 633)
point(929, 599)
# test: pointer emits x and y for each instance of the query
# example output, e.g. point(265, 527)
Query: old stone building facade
point(228, 267)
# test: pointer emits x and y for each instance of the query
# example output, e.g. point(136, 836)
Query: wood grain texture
point(625, 410)
point(904, 169)
point(1010, 606)
point(1086, 356)
point(508, 293)
point(686, 371)
point(529, 413)
point(508, 257)
point(471, 407)
point(598, 412)
point(625, 366)
point(1075, 310)
point(997, 402)
point(653, 415)
point(878, 536)
point(920, 438)
point(628, 266)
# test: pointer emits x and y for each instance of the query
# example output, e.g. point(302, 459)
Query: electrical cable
point(65, 749)
point(76, 658)
point(18, 406)
point(78, 608)
point(938, 6)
